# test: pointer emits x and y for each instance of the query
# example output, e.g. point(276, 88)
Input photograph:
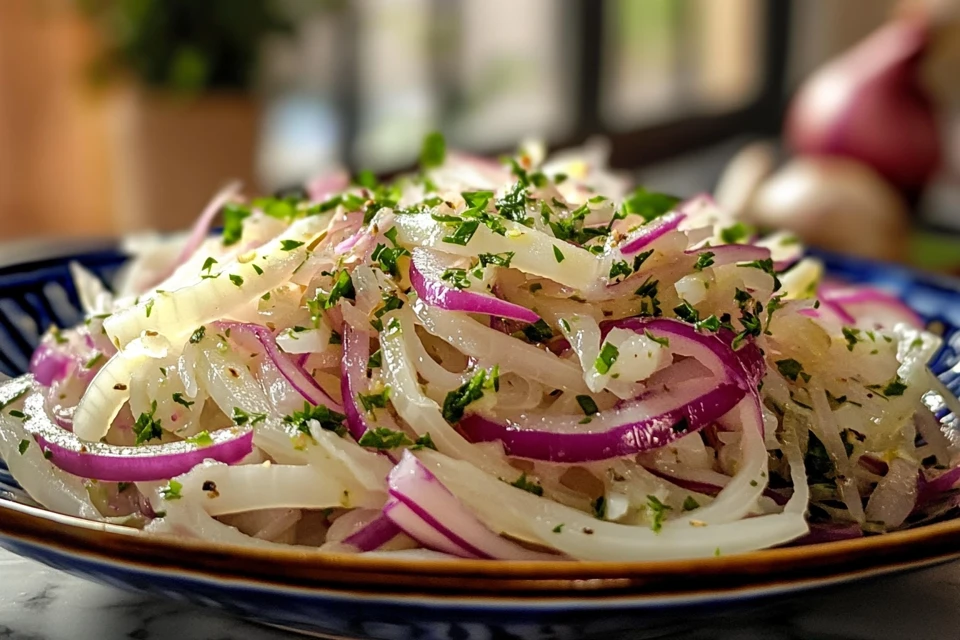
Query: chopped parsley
point(663, 342)
point(558, 254)
point(456, 278)
point(149, 307)
point(463, 232)
point(290, 245)
point(686, 312)
point(198, 334)
point(658, 513)
point(424, 442)
point(24, 445)
point(257, 269)
point(766, 266)
point(690, 503)
point(608, 355)
point(201, 440)
point(791, 369)
point(588, 405)
point(558, 528)
point(375, 360)
point(342, 288)
point(852, 336)
point(433, 151)
point(147, 427)
point(371, 401)
point(704, 260)
point(737, 232)
point(233, 217)
point(498, 259)
point(539, 331)
point(241, 417)
point(172, 491)
point(619, 268)
point(179, 399)
point(640, 258)
point(93, 361)
point(513, 204)
point(388, 257)
point(384, 439)
point(329, 420)
point(456, 402)
point(236, 280)
point(649, 205)
point(527, 485)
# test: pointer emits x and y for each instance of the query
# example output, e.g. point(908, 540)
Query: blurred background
point(835, 118)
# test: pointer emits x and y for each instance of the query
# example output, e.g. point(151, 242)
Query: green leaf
point(456, 278)
point(539, 331)
point(608, 355)
point(329, 420)
point(649, 205)
point(290, 245)
point(24, 445)
point(463, 233)
point(424, 442)
point(789, 368)
point(527, 485)
point(371, 401)
point(686, 312)
point(179, 399)
point(558, 254)
point(588, 405)
point(658, 512)
point(433, 151)
point(233, 217)
point(456, 402)
point(201, 440)
point(663, 342)
point(241, 417)
point(735, 233)
point(147, 427)
point(198, 335)
point(498, 259)
point(384, 439)
point(236, 280)
point(172, 491)
point(704, 260)
point(690, 503)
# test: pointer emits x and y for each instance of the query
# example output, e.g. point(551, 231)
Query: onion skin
point(869, 105)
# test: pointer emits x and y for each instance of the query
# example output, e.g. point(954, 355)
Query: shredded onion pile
point(522, 362)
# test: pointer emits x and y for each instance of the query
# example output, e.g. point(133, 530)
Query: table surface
point(39, 603)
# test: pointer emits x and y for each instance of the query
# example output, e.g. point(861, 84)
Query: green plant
point(186, 46)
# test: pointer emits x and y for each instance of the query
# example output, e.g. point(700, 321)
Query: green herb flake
point(789, 368)
point(558, 254)
point(384, 439)
point(236, 280)
point(737, 232)
point(24, 445)
point(456, 401)
point(147, 427)
point(852, 336)
point(649, 205)
point(198, 335)
point(690, 503)
point(371, 401)
point(599, 507)
point(704, 260)
point(497, 259)
point(424, 442)
point(686, 312)
point(233, 217)
point(558, 528)
point(179, 399)
point(241, 417)
point(257, 269)
point(172, 491)
point(619, 268)
point(588, 405)
point(640, 258)
point(149, 306)
point(201, 440)
point(527, 485)
point(608, 355)
point(93, 361)
point(663, 342)
point(539, 331)
point(433, 151)
point(658, 512)
point(329, 420)
point(463, 232)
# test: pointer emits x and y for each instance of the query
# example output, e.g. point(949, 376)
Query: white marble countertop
point(38, 603)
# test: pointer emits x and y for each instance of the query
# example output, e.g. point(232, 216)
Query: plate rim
point(450, 578)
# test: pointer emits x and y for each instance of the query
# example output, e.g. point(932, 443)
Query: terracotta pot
point(171, 154)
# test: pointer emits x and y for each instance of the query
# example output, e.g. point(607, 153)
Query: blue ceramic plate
point(371, 597)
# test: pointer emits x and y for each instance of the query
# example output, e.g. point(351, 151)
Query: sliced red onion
point(652, 231)
point(425, 278)
point(327, 184)
point(867, 303)
point(303, 382)
point(110, 463)
point(353, 376)
point(50, 365)
point(374, 534)
point(644, 423)
point(732, 253)
point(429, 513)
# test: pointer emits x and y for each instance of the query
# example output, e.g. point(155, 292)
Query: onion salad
point(517, 361)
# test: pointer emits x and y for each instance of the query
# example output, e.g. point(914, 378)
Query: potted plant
point(184, 116)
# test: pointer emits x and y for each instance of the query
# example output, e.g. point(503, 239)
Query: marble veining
point(39, 603)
